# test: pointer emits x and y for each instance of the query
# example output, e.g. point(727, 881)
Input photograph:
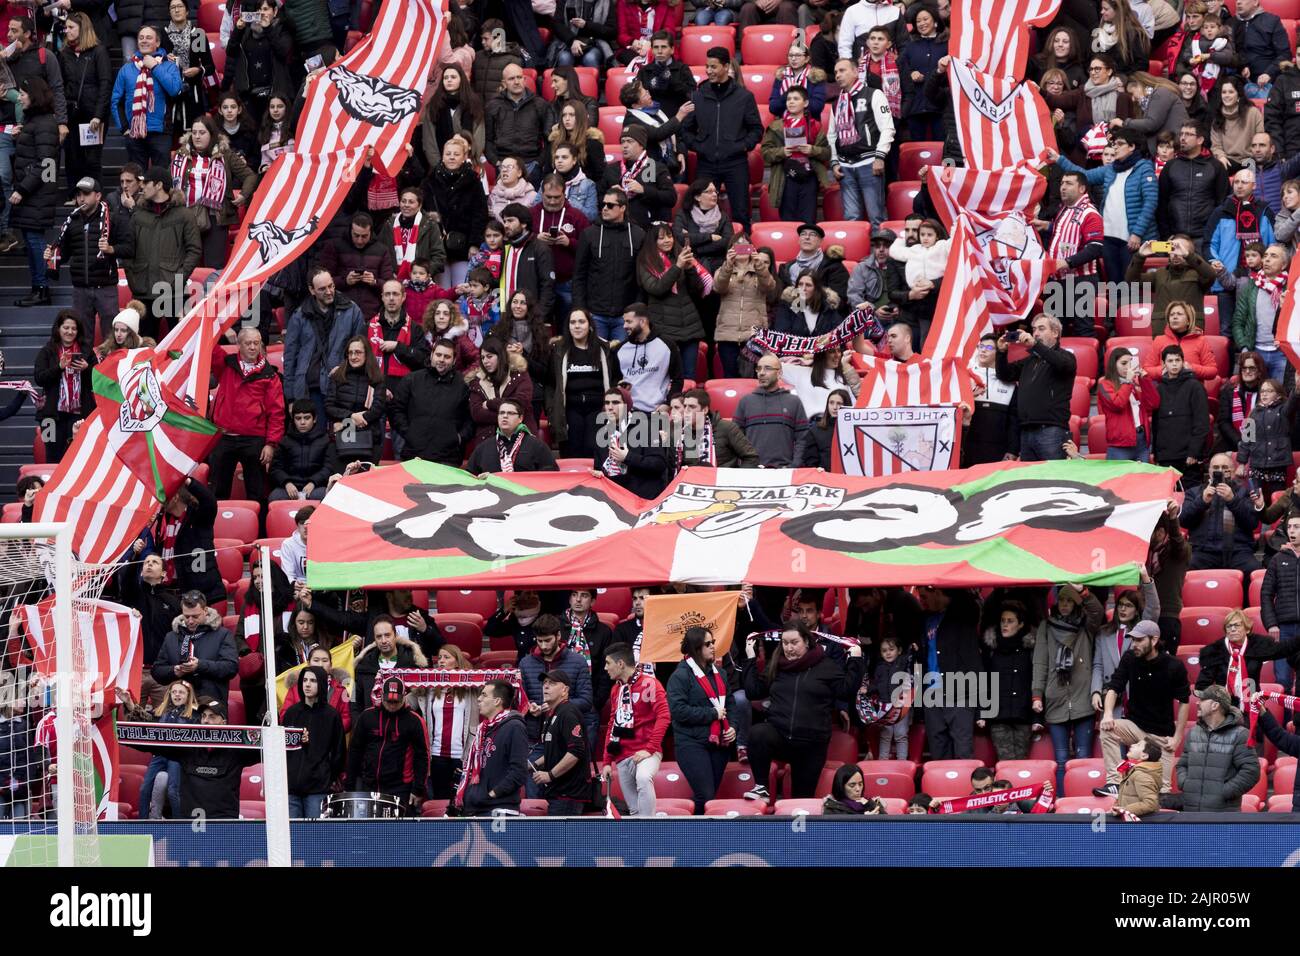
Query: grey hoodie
point(775, 424)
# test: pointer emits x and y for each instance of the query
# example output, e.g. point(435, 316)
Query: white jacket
point(922, 262)
point(861, 17)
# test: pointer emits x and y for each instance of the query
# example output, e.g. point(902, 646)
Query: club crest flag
point(898, 439)
point(668, 616)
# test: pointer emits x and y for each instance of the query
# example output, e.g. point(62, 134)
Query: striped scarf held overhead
point(1253, 707)
point(782, 344)
point(142, 100)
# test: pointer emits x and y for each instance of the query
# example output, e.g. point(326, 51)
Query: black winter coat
point(516, 129)
point(1013, 663)
point(36, 161)
point(46, 374)
point(196, 535)
point(800, 702)
point(349, 396)
point(672, 309)
point(647, 470)
point(431, 412)
point(247, 47)
point(1204, 522)
point(210, 778)
point(87, 84)
point(1282, 111)
point(315, 766)
point(1190, 191)
point(707, 251)
point(504, 770)
point(158, 607)
point(725, 125)
point(1182, 423)
point(817, 446)
point(533, 456)
point(388, 753)
point(130, 16)
point(1259, 648)
point(1045, 381)
point(79, 250)
point(1228, 437)
point(1271, 447)
point(1279, 598)
point(604, 271)
point(458, 199)
point(691, 711)
point(303, 459)
point(214, 647)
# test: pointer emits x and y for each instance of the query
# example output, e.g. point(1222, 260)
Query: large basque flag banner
point(423, 525)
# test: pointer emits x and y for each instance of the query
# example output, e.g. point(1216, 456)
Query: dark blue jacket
point(504, 770)
point(300, 343)
point(1261, 43)
point(1204, 522)
point(531, 669)
point(689, 707)
point(921, 55)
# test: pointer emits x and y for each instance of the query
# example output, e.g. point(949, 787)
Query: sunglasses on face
point(611, 205)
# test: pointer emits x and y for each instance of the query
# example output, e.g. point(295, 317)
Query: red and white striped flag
point(372, 96)
point(1288, 322)
point(296, 198)
point(1000, 120)
point(986, 192)
point(995, 36)
point(922, 381)
point(110, 640)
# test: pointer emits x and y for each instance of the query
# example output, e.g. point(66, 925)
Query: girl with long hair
point(88, 86)
point(453, 108)
point(215, 181)
point(62, 369)
point(672, 280)
point(583, 366)
point(500, 375)
point(572, 128)
point(821, 431)
point(162, 778)
point(1122, 37)
point(1127, 395)
point(701, 707)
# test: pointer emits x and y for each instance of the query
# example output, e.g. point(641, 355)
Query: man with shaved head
point(772, 417)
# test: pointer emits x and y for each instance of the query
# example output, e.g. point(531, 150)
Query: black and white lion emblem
point(272, 239)
point(371, 99)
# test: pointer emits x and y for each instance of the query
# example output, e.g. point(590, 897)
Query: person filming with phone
point(1221, 517)
point(1045, 379)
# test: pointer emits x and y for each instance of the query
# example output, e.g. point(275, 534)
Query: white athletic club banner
point(992, 193)
point(921, 381)
point(994, 37)
point(872, 442)
point(372, 96)
point(1001, 121)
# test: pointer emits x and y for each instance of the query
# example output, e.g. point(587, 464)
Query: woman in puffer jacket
point(1267, 455)
point(355, 404)
point(1062, 683)
point(1181, 330)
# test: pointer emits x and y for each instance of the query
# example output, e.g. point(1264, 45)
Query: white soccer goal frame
point(64, 701)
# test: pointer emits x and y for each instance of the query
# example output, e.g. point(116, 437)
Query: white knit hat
point(130, 318)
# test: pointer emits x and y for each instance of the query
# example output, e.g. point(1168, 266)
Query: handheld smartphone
point(744, 249)
point(553, 232)
point(1161, 247)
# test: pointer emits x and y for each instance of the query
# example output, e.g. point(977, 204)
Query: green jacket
point(166, 245)
point(773, 150)
point(1243, 316)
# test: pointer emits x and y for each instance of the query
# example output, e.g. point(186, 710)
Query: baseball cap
point(1145, 629)
point(1217, 693)
point(558, 677)
point(394, 690)
point(88, 184)
point(214, 706)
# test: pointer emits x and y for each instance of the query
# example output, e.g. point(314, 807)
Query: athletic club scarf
point(382, 191)
point(514, 254)
point(476, 758)
point(251, 368)
point(24, 386)
point(170, 528)
point(622, 721)
point(706, 450)
point(715, 689)
point(1246, 221)
point(205, 183)
point(69, 381)
point(375, 335)
point(1068, 236)
point(1273, 285)
point(478, 313)
point(846, 127)
point(508, 448)
point(577, 639)
point(887, 69)
point(419, 678)
point(1243, 400)
point(1043, 793)
point(1208, 72)
point(215, 736)
point(142, 100)
point(612, 466)
point(105, 233)
point(489, 259)
point(789, 78)
point(860, 322)
point(1236, 681)
point(796, 131)
point(1254, 707)
point(405, 239)
point(629, 174)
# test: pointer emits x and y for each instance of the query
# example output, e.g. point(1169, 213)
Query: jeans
point(454, 274)
point(279, 494)
point(564, 807)
point(806, 760)
point(1043, 442)
point(799, 200)
point(609, 327)
point(563, 303)
point(172, 770)
point(153, 150)
point(34, 241)
point(1275, 362)
point(708, 16)
point(729, 356)
point(732, 179)
point(6, 176)
point(591, 58)
point(637, 781)
point(862, 194)
point(1115, 254)
point(703, 767)
point(307, 807)
point(1061, 745)
point(741, 719)
point(893, 740)
point(1139, 452)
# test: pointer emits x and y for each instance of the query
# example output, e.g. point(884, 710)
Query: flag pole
point(275, 771)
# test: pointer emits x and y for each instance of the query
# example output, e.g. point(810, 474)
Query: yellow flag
point(667, 617)
point(341, 658)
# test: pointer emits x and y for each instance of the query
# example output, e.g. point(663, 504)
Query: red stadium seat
point(766, 211)
point(209, 18)
point(616, 601)
point(496, 660)
point(1256, 587)
point(725, 394)
point(236, 519)
point(465, 635)
point(477, 602)
point(1084, 805)
point(673, 807)
point(1284, 779)
point(273, 543)
point(230, 559)
point(532, 808)
point(879, 783)
point(129, 756)
point(1219, 347)
point(889, 766)
point(252, 809)
point(280, 518)
point(574, 464)
point(843, 747)
point(947, 778)
point(1134, 320)
point(1139, 345)
point(1081, 397)
point(218, 54)
point(671, 782)
point(251, 783)
point(1081, 780)
point(617, 78)
point(1085, 356)
point(855, 237)
point(734, 808)
point(1096, 434)
point(1210, 324)
point(1280, 803)
point(42, 471)
point(610, 122)
point(457, 617)
point(912, 156)
point(1202, 625)
point(1024, 773)
point(1190, 655)
point(766, 46)
point(693, 47)
point(1285, 9)
point(1208, 588)
point(783, 237)
point(833, 205)
point(791, 808)
point(1256, 619)
point(737, 779)
point(758, 80)
point(434, 808)
point(898, 201)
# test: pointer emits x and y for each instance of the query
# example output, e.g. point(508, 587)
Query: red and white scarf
point(478, 754)
point(789, 78)
point(105, 233)
point(1237, 677)
point(447, 732)
point(404, 243)
point(629, 174)
point(715, 689)
point(706, 450)
point(508, 448)
point(1275, 286)
point(577, 639)
point(1067, 234)
point(1243, 400)
point(1253, 708)
point(168, 529)
point(1043, 793)
point(204, 183)
point(142, 100)
point(251, 368)
point(375, 335)
point(513, 256)
point(69, 381)
point(887, 69)
point(846, 127)
point(612, 466)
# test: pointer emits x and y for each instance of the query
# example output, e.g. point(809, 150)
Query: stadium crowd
point(600, 206)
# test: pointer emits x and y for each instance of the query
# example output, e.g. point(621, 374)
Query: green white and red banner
point(425, 525)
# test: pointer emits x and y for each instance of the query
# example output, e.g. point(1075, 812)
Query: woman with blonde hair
point(1121, 35)
point(451, 716)
point(162, 778)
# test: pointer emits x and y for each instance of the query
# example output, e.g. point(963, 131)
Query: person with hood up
point(198, 649)
point(496, 765)
point(1008, 650)
point(389, 750)
point(1139, 780)
point(315, 765)
point(1063, 653)
point(385, 651)
point(1216, 768)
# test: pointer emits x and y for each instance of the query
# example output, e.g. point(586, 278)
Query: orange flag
point(667, 616)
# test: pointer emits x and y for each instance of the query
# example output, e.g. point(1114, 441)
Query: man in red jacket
point(249, 409)
point(632, 731)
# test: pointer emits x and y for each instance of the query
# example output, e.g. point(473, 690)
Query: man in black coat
point(90, 246)
point(210, 776)
point(669, 81)
point(828, 269)
point(528, 260)
point(604, 271)
point(304, 459)
point(430, 410)
point(497, 764)
point(199, 650)
point(158, 605)
point(1181, 425)
point(359, 263)
point(1282, 110)
point(1191, 186)
point(195, 562)
point(586, 635)
point(1220, 519)
point(723, 129)
point(1260, 41)
point(627, 449)
point(1045, 381)
point(512, 444)
point(950, 648)
point(649, 187)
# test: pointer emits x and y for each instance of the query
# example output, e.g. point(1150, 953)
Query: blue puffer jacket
point(166, 80)
point(300, 344)
point(1141, 192)
point(1221, 242)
